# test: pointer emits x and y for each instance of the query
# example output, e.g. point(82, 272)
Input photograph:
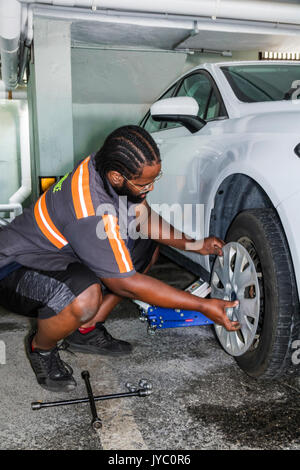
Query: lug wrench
point(96, 421)
point(145, 390)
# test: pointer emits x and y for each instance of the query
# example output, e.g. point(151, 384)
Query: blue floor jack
point(160, 318)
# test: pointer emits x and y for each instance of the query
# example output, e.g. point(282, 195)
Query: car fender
point(287, 209)
point(269, 161)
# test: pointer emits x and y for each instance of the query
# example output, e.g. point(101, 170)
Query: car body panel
point(256, 140)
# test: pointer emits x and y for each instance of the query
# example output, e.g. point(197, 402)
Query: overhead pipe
point(230, 9)
point(13, 20)
point(10, 29)
point(24, 50)
point(139, 14)
point(82, 14)
point(13, 25)
point(152, 20)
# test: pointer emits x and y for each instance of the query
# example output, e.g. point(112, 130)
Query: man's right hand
point(216, 311)
point(155, 292)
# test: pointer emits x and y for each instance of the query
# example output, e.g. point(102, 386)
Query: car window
point(149, 124)
point(266, 82)
point(213, 108)
point(197, 86)
point(200, 87)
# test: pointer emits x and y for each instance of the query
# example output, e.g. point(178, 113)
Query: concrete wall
point(79, 93)
point(113, 88)
point(108, 89)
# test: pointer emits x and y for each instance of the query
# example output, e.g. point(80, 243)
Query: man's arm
point(155, 227)
point(155, 292)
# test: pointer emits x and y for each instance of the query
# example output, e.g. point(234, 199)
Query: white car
point(229, 136)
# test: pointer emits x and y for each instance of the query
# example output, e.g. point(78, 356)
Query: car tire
point(272, 354)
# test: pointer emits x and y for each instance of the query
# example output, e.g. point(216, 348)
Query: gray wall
point(114, 88)
point(79, 93)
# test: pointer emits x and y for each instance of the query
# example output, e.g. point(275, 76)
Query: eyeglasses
point(145, 187)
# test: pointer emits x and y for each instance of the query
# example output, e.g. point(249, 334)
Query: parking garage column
point(51, 92)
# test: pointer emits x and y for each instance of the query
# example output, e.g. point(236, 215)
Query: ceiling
point(221, 35)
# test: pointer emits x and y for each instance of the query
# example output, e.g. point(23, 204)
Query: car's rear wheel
point(257, 270)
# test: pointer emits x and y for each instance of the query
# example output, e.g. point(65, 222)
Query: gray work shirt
point(75, 220)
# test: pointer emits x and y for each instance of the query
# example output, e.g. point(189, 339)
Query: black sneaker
point(51, 372)
point(97, 341)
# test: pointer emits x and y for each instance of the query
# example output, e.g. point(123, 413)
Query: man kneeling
point(65, 262)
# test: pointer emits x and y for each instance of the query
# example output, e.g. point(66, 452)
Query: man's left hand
point(212, 246)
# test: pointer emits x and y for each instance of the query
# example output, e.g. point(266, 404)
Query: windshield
point(255, 83)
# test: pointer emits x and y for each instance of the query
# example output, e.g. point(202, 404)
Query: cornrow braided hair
point(126, 150)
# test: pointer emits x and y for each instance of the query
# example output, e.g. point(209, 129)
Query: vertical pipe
point(10, 28)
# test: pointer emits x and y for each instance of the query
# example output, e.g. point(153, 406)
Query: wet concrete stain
point(260, 425)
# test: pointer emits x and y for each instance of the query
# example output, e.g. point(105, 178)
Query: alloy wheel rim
point(234, 277)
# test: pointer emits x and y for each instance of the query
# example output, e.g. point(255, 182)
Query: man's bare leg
point(53, 329)
point(93, 338)
point(110, 301)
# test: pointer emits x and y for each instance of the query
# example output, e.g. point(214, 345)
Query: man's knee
point(87, 304)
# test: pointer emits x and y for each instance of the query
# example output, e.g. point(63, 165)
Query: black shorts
point(43, 294)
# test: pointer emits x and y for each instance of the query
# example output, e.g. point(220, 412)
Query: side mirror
point(182, 109)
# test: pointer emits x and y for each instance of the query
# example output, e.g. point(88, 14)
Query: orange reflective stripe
point(81, 193)
point(75, 195)
point(46, 225)
point(118, 246)
point(86, 188)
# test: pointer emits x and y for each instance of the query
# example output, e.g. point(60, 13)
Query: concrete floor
point(200, 400)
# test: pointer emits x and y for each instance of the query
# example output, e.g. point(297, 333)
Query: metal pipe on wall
point(16, 209)
point(153, 20)
point(13, 20)
point(10, 28)
point(254, 10)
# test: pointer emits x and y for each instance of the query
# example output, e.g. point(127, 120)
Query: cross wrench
point(96, 421)
point(144, 390)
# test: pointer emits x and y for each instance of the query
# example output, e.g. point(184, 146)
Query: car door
point(181, 195)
